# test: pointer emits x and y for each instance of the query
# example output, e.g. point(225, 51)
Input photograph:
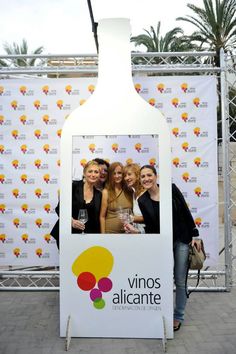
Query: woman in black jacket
point(84, 196)
point(184, 229)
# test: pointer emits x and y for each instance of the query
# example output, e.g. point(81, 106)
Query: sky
point(64, 26)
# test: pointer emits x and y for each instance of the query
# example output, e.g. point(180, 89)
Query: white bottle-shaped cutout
point(115, 108)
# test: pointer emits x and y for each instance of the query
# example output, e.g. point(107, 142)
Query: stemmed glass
point(126, 216)
point(83, 216)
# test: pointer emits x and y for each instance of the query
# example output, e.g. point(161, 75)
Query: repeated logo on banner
point(32, 113)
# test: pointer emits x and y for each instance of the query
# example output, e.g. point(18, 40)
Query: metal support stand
point(68, 337)
point(164, 339)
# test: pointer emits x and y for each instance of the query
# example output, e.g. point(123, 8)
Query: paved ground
point(29, 324)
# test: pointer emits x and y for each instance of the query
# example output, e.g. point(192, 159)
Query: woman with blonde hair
point(114, 199)
point(133, 184)
point(84, 196)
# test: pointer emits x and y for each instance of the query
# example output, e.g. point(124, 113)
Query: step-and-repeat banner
point(32, 113)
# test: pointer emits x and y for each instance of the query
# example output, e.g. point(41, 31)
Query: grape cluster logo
point(2, 119)
point(185, 176)
point(60, 104)
point(39, 252)
point(37, 163)
point(175, 102)
point(47, 238)
point(15, 133)
point(184, 116)
point(37, 104)
point(197, 131)
point(2, 208)
point(196, 101)
point(176, 161)
point(24, 208)
point(92, 147)
point(197, 161)
point(2, 149)
point(16, 222)
point(38, 192)
point(45, 89)
point(45, 118)
point(185, 146)
point(161, 87)
point(16, 252)
point(15, 192)
point(175, 132)
point(152, 101)
point(23, 119)
point(59, 133)
point(115, 147)
point(25, 238)
point(68, 89)
point(152, 161)
point(83, 162)
point(2, 179)
point(1, 90)
point(14, 104)
point(47, 208)
point(2, 238)
point(46, 178)
point(198, 222)
point(24, 178)
point(15, 164)
point(37, 133)
point(38, 222)
point(46, 148)
point(198, 191)
point(184, 87)
point(23, 90)
point(24, 148)
point(137, 87)
point(138, 147)
point(91, 88)
point(92, 268)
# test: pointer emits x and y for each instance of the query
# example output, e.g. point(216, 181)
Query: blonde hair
point(88, 164)
point(135, 168)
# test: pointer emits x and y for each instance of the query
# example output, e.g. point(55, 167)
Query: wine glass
point(125, 215)
point(128, 216)
point(83, 216)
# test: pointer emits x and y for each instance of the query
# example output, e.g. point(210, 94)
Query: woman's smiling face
point(130, 178)
point(148, 178)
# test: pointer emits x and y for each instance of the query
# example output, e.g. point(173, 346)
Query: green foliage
point(216, 25)
point(15, 49)
point(172, 41)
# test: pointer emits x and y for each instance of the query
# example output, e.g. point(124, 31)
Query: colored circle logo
point(92, 268)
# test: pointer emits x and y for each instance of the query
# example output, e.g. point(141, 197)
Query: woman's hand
point(130, 229)
point(197, 244)
point(76, 224)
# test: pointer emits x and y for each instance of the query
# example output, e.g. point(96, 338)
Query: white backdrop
point(32, 113)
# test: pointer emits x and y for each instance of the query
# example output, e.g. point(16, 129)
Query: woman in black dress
point(84, 196)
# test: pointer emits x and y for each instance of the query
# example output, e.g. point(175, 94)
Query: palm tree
point(19, 49)
point(173, 41)
point(216, 25)
point(154, 42)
